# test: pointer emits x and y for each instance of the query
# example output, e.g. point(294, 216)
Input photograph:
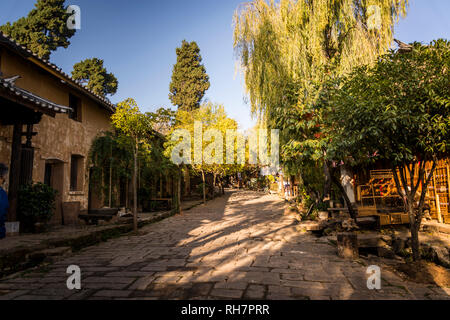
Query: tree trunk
point(127, 187)
point(161, 185)
point(338, 183)
point(222, 185)
point(204, 187)
point(328, 180)
point(110, 185)
point(415, 226)
point(179, 190)
point(102, 190)
point(214, 185)
point(135, 226)
point(187, 181)
point(415, 215)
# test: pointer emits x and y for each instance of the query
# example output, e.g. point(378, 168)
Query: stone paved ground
point(237, 247)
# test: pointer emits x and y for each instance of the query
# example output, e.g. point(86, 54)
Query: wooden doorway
point(54, 177)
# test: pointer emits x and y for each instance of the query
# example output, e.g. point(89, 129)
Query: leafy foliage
point(211, 117)
point(397, 111)
point(94, 75)
point(36, 203)
point(135, 132)
point(110, 155)
point(288, 49)
point(44, 29)
point(189, 78)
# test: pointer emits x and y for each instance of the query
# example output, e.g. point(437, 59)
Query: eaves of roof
point(55, 70)
point(30, 97)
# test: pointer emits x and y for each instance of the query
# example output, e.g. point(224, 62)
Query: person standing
point(4, 204)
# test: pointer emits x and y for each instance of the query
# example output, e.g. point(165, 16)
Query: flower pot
point(12, 228)
point(40, 227)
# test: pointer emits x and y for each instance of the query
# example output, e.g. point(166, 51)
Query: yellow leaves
point(129, 120)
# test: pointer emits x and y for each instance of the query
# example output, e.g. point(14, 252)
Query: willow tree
point(289, 48)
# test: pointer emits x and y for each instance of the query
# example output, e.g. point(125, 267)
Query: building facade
point(47, 124)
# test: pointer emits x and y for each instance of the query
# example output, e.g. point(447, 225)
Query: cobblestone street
point(239, 246)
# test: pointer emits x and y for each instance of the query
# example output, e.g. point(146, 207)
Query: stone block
point(347, 244)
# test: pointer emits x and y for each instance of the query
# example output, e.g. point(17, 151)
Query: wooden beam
point(15, 171)
point(14, 101)
point(438, 208)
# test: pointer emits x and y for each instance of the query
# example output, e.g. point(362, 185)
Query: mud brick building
point(47, 124)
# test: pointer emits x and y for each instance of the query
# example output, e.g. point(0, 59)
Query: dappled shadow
point(239, 246)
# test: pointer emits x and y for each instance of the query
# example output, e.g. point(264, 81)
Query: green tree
point(189, 78)
point(94, 75)
point(209, 116)
point(110, 158)
point(163, 119)
point(397, 111)
point(288, 49)
point(130, 122)
point(44, 29)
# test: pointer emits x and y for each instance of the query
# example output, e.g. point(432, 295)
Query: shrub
point(36, 203)
point(322, 206)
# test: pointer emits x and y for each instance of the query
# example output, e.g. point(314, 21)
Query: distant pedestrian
point(4, 204)
point(287, 189)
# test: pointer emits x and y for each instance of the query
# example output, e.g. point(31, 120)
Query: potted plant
point(36, 206)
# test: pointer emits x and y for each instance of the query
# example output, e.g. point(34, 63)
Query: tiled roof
point(77, 84)
point(9, 85)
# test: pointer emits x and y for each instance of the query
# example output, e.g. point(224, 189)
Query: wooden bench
point(168, 200)
point(93, 219)
point(96, 215)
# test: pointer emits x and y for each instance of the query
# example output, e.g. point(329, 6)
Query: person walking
point(4, 204)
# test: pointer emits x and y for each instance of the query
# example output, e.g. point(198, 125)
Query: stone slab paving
point(240, 246)
point(70, 232)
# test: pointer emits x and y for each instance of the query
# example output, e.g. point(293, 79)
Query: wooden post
point(436, 196)
point(14, 172)
point(135, 191)
point(448, 189)
point(438, 208)
point(204, 187)
point(110, 179)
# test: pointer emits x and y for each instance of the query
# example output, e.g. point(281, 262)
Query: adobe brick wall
point(58, 138)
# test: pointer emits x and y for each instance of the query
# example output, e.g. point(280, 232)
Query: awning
point(10, 90)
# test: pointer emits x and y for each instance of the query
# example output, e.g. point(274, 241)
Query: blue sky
point(137, 40)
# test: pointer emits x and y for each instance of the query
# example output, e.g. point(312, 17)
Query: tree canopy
point(189, 78)
point(397, 110)
point(206, 128)
point(94, 75)
point(44, 29)
point(288, 49)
